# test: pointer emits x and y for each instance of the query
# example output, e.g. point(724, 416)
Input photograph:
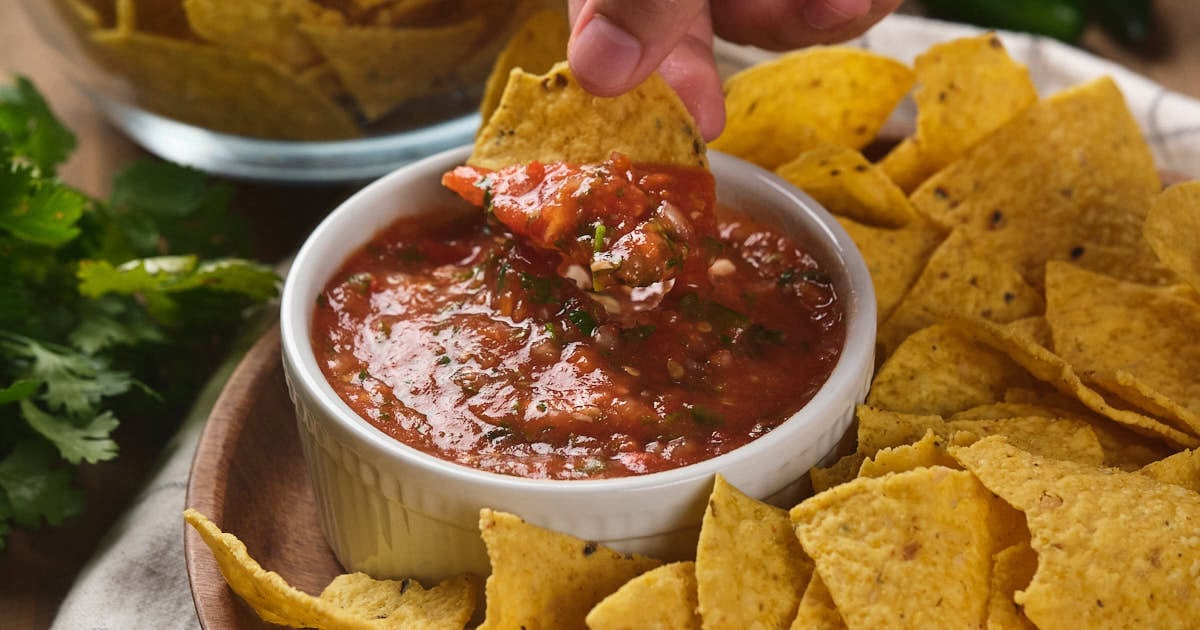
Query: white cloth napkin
point(137, 578)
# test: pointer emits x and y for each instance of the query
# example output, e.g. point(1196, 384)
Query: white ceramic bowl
point(391, 510)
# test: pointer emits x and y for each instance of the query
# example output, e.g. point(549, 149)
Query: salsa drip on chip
point(615, 225)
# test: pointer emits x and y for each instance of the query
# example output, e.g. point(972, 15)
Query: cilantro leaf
point(74, 382)
point(88, 441)
point(46, 213)
point(36, 487)
point(19, 390)
point(29, 130)
point(179, 289)
point(112, 321)
point(170, 274)
point(164, 208)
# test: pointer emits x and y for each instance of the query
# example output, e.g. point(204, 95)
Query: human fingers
point(691, 70)
point(616, 44)
point(786, 24)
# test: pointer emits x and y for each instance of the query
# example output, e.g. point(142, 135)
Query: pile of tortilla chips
point(1022, 459)
point(299, 69)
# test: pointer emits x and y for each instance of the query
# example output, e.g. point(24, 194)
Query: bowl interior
point(416, 189)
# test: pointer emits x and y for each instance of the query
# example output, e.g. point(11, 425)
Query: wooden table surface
point(39, 566)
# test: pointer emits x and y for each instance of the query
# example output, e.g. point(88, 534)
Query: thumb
point(616, 44)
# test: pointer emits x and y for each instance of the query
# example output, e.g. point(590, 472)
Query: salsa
point(473, 340)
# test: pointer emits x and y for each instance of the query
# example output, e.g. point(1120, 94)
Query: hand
point(616, 44)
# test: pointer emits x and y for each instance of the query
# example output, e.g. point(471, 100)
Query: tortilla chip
point(906, 165)
point(659, 599)
point(396, 12)
point(942, 370)
point(907, 550)
point(1181, 469)
point(536, 46)
point(798, 101)
point(550, 118)
point(1063, 438)
point(1070, 178)
point(1173, 230)
point(1114, 549)
point(894, 257)
point(750, 568)
point(1012, 569)
point(928, 451)
point(223, 90)
point(966, 89)
point(350, 601)
point(1135, 341)
point(404, 603)
point(817, 610)
point(88, 15)
point(545, 579)
point(1060, 438)
point(1052, 369)
point(846, 184)
point(843, 470)
point(960, 280)
point(265, 27)
point(383, 67)
point(1123, 448)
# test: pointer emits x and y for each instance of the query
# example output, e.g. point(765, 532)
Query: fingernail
point(824, 15)
point(606, 54)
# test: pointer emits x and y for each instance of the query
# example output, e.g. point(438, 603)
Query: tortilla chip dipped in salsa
point(600, 317)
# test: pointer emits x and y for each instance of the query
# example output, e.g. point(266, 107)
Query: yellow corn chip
point(906, 165)
point(1070, 178)
point(350, 601)
point(960, 280)
point(1012, 569)
point(928, 451)
point(817, 610)
point(785, 106)
point(879, 429)
point(841, 471)
point(1123, 448)
point(550, 118)
point(545, 579)
point(659, 599)
point(846, 184)
point(224, 90)
point(1115, 549)
point(1060, 438)
point(266, 27)
point(1181, 469)
point(1135, 341)
point(942, 370)
point(404, 603)
point(1063, 438)
point(1173, 230)
point(907, 550)
point(750, 568)
point(535, 47)
point(382, 67)
point(894, 257)
point(1052, 369)
point(966, 89)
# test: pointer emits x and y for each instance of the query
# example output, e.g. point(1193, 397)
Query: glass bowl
point(284, 90)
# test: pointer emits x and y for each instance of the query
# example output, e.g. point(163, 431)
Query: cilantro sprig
point(109, 309)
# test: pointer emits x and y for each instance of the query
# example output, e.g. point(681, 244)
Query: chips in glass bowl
point(290, 90)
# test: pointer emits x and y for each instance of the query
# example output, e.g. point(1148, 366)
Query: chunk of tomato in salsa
point(615, 224)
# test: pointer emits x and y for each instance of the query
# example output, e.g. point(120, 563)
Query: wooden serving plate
point(248, 475)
